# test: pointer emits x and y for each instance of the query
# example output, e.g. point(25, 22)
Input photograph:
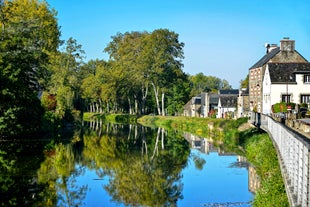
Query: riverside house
point(286, 53)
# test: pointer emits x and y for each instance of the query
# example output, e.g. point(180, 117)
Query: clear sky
point(223, 38)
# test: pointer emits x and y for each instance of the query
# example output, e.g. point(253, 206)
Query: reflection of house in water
point(202, 144)
point(206, 146)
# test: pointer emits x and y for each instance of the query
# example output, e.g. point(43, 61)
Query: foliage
point(272, 190)
point(29, 34)
point(279, 107)
point(201, 83)
point(245, 82)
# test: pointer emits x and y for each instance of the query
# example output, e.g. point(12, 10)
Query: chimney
point(270, 47)
point(287, 45)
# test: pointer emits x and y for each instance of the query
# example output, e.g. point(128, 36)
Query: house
point(285, 82)
point(209, 103)
point(286, 53)
point(227, 105)
point(193, 107)
point(243, 108)
point(225, 99)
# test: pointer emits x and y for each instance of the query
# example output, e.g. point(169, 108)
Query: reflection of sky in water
point(216, 183)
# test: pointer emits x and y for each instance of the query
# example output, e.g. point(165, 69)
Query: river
point(123, 165)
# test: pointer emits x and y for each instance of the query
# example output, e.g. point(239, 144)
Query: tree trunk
point(156, 97)
point(163, 104)
point(129, 104)
point(100, 105)
point(136, 106)
point(144, 95)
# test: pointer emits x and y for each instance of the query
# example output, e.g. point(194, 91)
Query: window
point(286, 98)
point(306, 78)
point(305, 98)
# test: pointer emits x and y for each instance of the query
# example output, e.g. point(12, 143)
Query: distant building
point(193, 107)
point(243, 103)
point(227, 105)
point(209, 104)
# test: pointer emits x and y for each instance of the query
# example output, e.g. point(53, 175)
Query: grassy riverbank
point(237, 135)
point(112, 118)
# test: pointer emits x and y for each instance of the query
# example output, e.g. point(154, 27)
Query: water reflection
point(143, 168)
point(124, 165)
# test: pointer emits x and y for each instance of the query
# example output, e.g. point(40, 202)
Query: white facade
point(273, 92)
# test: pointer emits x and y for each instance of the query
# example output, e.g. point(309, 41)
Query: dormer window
point(307, 78)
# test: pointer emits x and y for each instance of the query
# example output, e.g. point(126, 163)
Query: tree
point(202, 83)
point(66, 75)
point(165, 54)
point(29, 34)
point(245, 82)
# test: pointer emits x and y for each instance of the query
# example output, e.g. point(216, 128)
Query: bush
point(279, 107)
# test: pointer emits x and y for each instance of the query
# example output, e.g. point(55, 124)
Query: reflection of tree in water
point(199, 161)
point(19, 161)
point(59, 171)
point(144, 168)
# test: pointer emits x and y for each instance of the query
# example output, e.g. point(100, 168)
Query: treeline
point(43, 77)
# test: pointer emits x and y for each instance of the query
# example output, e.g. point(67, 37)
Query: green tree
point(245, 83)
point(29, 34)
point(66, 75)
point(202, 83)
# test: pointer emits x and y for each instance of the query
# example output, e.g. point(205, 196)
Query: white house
point(285, 82)
point(227, 104)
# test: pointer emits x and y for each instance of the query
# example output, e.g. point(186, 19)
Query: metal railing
point(293, 154)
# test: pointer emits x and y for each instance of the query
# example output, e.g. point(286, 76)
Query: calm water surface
point(117, 165)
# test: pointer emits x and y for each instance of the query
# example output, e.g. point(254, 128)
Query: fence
point(293, 154)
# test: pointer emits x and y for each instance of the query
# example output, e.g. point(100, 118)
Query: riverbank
point(255, 145)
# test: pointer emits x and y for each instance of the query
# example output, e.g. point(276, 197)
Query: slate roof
point(228, 101)
point(233, 91)
point(281, 72)
point(266, 58)
point(214, 99)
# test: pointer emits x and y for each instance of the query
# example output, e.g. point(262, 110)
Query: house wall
point(273, 92)
point(255, 90)
point(288, 57)
point(266, 93)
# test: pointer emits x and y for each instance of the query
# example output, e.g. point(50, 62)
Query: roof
point(281, 72)
point(233, 91)
point(214, 99)
point(228, 101)
point(266, 58)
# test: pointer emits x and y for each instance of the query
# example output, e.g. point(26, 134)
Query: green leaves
point(29, 33)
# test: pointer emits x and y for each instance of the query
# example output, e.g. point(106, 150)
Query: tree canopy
point(38, 71)
point(29, 34)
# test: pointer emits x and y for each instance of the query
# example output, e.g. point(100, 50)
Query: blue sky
point(223, 38)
